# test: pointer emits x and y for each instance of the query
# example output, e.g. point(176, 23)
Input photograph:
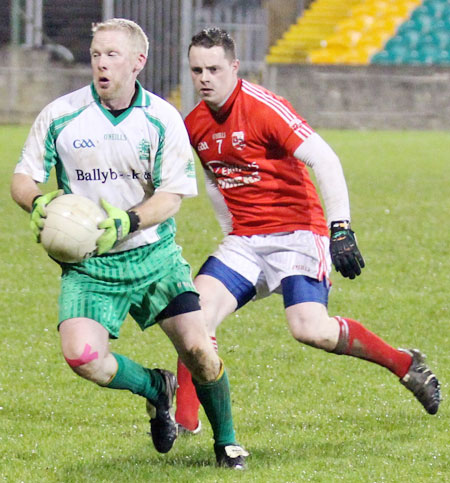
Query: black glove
point(344, 253)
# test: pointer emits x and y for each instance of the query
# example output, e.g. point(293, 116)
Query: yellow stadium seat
point(357, 22)
point(344, 38)
point(354, 57)
point(377, 38)
point(329, 55)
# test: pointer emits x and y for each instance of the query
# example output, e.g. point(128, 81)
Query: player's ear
point(140, 62)
point(235, 65)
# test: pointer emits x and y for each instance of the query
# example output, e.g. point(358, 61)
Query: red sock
point(188, 404)
point(355, 340)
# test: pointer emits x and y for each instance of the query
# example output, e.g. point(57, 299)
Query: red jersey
point(249, 146)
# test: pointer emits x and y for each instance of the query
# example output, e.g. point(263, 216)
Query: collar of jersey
point(225, 110)
point(142, 100)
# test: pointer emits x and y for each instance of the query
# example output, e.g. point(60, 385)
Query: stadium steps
point(311, 30)
point(423, 39)
point(364, 32)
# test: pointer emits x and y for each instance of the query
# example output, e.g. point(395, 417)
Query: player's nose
point(204, 76)
point(102, 63)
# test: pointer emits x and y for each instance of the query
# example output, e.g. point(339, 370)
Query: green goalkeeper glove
point(345, 255)
point(117, 226)
point(38, 212)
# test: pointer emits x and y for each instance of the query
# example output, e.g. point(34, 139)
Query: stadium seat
point(407, 26)
point(393, 42)
point(377, 31)
point(435, 7)
point(423, 22)
point(410, 37)
point(382, 57)
point(311, 30)
point(443, 58)
point(423, 39)
point(359, 55)
point(344, 38)
point(438, 38)
point(356, 22)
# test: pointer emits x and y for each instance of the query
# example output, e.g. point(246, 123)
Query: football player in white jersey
point(126, 148)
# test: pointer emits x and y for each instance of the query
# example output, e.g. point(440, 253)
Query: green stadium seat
point(385, 57)
point(412, 57)
point(410, 37)
point(399, 51)
point(443, 58)
point(423, 22)
point(394, 41)
point(435, 7)
point(439, 38)
point(423, 39)
point(406, 27)
point(446, 11)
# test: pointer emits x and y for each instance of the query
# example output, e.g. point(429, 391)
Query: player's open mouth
point(103, 82)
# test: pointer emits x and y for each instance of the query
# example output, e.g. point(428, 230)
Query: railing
point(170, 25)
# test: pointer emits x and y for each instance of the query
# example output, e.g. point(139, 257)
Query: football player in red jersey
point(255, 150)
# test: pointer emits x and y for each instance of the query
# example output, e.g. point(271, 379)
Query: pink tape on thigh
point(86, 357)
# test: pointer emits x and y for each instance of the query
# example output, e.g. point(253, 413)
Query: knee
point(203, 365)
point(316, 332)
point(303, 330)
point(86, 363)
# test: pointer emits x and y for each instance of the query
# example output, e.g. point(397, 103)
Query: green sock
point(137, 379)
point(216, 401)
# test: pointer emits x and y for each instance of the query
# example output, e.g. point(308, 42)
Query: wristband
point(340, 225)
point(135, 221)
point(34, 200)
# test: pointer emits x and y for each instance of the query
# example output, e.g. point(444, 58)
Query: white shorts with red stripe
point(265, 260)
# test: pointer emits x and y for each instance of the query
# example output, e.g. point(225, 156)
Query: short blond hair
point(132, 29)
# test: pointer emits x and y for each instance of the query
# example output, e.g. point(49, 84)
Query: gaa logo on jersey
point(238, 141)
point(83, 143)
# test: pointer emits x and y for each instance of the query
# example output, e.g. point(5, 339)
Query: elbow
point(176, 205)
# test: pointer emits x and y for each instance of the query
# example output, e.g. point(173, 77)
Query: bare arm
point(158, 208)
point(23, 190)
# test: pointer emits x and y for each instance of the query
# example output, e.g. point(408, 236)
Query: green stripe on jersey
point(157, 169)
point(51, 157)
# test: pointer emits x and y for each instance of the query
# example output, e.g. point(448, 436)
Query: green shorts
point(141, 282)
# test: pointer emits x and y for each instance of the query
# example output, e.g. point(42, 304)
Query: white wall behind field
point(366, 97)
point(29, 80)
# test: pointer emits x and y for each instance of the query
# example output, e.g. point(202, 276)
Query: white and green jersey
point(122, 159)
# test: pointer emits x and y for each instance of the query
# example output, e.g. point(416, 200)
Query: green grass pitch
point(304, 415)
